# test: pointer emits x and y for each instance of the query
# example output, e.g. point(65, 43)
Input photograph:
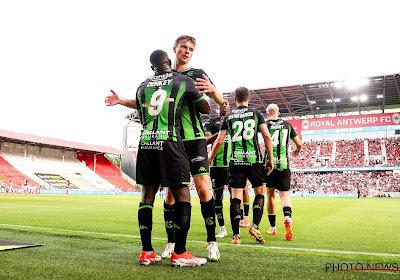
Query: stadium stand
point(106, 169)
point(48, 163)
point(9, 173)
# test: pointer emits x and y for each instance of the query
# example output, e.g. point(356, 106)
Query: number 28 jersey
point(159, 101)
point(243, 124)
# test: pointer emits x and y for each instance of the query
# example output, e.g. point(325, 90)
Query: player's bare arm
point(211, 138)
point(217, 145)
point(114, 99)
point(268, 146)
point(298, 144)
point(203, 106)
point(205, 86)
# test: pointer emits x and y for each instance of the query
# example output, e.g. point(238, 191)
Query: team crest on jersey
point(190, 73)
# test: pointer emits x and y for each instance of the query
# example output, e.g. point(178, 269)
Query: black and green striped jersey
point(159, 101)
point(280, 131)
point(224, 153)
point(243, 124)
point(192, 127)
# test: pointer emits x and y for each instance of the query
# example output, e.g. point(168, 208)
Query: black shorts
point(239, 173)
point(279, 179)
point(219, 177)
point(162, 162)
point(196, 151)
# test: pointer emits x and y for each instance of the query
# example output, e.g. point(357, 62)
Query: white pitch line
point(197, 241)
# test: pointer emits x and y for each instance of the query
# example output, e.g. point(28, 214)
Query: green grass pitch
point(97, 237)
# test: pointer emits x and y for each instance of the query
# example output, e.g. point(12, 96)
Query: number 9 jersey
point(159, 102)
point(242, 124)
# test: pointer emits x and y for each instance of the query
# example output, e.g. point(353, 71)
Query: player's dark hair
point(242, 94)
point(158, 58)
point(184, 38)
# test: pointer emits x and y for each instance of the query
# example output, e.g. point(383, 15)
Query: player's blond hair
point(184, 38)
point(272, 108)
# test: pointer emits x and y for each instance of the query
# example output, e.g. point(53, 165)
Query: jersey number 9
point(157, 102)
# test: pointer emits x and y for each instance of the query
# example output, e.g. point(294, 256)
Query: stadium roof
point(21, 138)
point(329, 97)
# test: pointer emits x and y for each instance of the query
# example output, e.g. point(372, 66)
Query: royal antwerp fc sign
point(351, 121)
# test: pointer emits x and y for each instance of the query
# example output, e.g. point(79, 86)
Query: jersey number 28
point(247, 127)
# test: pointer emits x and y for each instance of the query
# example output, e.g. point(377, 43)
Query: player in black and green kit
point(281, 131)
point(220, 165)
point(195, 145)
point(161, 157)
point(243, 124)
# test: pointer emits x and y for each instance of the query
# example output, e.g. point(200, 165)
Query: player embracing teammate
point(194, 140)
point(161, 157)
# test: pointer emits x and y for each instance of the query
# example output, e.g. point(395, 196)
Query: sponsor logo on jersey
point(248, 154)
point(147, 134)
point(190, 73)
point(197, 159)
point(152, 145)
point(161, 77)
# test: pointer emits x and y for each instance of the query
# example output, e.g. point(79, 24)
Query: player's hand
point(204, 85)
point(295, 153)
point(269, 167)
point(113, 99)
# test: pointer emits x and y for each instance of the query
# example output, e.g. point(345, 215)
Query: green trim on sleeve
point(197, 100)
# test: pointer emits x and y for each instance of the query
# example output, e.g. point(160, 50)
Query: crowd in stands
point(374, 147)
point(348, 153)
point(369, 183)
point(392, 151)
